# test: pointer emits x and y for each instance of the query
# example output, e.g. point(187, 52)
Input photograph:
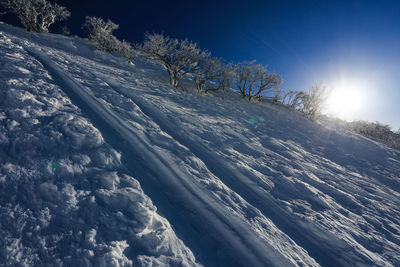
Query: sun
point(346, 99)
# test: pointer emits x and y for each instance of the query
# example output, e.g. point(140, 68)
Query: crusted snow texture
point(64, 198)
point(240, 184)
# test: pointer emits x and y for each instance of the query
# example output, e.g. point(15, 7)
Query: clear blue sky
point(306, 41)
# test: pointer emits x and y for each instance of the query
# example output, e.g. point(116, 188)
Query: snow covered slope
point(103, 163)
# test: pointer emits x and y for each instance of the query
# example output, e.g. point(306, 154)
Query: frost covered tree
point(101, 32)
point(253, 79)
point(288, 97)
point(210, 69)
point(277, 97)
point(225, 78)
point(298, 101)
point(126, 50)
point(310, 102)
point(266, 82)
point(317, 96)
point(36, 15)
point(214, 75)
point(179, 57)
point(246, 76)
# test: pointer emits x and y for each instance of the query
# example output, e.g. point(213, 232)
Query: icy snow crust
point(237, 184)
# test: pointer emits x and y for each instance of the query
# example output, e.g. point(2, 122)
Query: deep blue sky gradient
point(306, 41)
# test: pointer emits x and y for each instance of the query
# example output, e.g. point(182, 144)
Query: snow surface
point(103, 163)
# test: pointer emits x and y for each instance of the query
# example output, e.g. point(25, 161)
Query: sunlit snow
point(103, 163)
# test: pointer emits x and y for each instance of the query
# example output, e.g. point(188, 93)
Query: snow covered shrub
point(253, 79)
point(36, 15)
point(179, 57)
point(310, 102)
point(288, 97)
point(101, 32)
point(125, 49)
point(298, 101)
point(377, 131)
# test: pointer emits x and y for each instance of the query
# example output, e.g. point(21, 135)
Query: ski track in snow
point(241, 184)
point(237, 241)
point(65, 198)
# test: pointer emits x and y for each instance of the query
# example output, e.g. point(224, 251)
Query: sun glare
point(345, 100)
